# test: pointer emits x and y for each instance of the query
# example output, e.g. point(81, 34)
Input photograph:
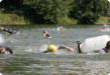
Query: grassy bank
point(16, 19)
point(103, 20)
point(19, 20)
point(12, 19)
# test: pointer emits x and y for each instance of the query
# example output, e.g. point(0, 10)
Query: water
point(28, 44)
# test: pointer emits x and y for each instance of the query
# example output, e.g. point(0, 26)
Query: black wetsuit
point(7, 49)
point(9, 31)
point(105, 49)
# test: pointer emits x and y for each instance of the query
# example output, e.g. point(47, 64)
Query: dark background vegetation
point(57, 11)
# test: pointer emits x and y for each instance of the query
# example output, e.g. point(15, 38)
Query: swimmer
point(107, 47)
point(6, 30)
point(46, 34)
point(4, 50)
point(61, 28)
point(53, 48)
point(105, 28)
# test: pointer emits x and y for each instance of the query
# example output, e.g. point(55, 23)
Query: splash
point(108, 74)
point(94, 43)
point(2, 39)
point(0, 0)
point(43, 47)
point(1, 74)
point(109, 1)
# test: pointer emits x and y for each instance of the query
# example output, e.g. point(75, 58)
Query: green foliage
point(10, 4)
point(58, 11)
point(88, 11)
point(102, 20)
point(12, 19)
point(50, 11)
point(88, 18)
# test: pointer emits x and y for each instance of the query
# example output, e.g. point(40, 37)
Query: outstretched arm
point(66, 47)
point(9, 50)
point(9, 31)
point(6, 30)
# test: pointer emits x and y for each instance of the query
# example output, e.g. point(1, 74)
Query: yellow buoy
point(50, 37)
point(52, 48)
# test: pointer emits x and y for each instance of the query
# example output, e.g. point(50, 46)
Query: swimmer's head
point(2, 28)
point(2, 50)
point(45, 31)
point(108, 45)
point(51, 48)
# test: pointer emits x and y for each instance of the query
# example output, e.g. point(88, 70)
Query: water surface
point(28, 44)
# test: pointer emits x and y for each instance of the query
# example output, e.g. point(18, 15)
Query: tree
point(50, 11)
point(10, 4)
point(88, 11)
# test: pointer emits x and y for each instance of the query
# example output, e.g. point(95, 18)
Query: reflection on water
point(28, 59)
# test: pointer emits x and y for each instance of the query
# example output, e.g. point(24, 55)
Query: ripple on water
point(28, 60)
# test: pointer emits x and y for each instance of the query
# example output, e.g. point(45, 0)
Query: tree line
point(58, 11)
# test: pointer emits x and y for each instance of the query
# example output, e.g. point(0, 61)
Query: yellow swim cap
point(52, 48)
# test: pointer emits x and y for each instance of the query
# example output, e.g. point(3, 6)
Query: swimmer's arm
point(8, 31)
point(9, 50)
point(66, 47)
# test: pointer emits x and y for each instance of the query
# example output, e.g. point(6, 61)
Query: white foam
point(2, 39)
point(94, 43)
point(109, 1)
point(1, 74)
point(0, 0)
point(108, 74)
point(43, 47)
